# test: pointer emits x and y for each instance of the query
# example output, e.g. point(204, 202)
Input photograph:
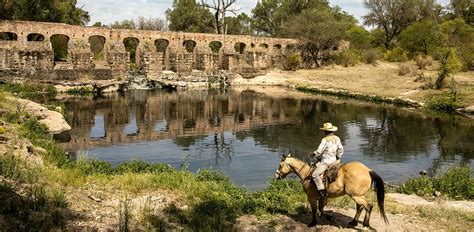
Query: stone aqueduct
point(26, 51)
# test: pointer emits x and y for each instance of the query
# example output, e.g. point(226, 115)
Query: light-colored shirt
point(329, 149)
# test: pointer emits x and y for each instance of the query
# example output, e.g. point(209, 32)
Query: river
point(243, 132)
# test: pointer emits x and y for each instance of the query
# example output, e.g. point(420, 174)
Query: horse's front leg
point(322, 202)
point(313, 201)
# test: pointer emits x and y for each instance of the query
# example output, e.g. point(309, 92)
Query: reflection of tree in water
point(222, 150)
point(396, 136)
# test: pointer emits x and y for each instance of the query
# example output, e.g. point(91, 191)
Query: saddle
point(330, 174)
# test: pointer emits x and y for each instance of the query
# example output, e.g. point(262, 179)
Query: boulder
point(52, 119)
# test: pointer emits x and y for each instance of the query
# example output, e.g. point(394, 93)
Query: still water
point(244, 132)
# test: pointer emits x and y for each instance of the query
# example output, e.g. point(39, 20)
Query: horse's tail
point(380, 189)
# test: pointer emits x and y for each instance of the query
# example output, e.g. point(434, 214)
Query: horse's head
point(283, 169)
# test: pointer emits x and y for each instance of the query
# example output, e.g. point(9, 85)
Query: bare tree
point(221, 7)
point(153, 24)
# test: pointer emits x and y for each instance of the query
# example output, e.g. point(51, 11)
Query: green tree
point(124, 24)
point(186, 15)
point(270, 15)
point(395, 15)
point(360, 38)
point(450, 64)
point(317, 29)
point(61, 11)
point(461, 36)
point(423, 36)
point(464, 9)
point(240, 25)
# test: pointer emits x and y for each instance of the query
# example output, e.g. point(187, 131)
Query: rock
point(423, 172)
point(469, 109)
point(437, 194)
point(52, 119)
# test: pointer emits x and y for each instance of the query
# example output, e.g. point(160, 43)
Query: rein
point(297, 172)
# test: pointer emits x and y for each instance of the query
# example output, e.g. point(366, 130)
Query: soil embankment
point(372, 81)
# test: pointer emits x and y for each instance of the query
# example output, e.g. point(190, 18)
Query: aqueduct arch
point(78, 47)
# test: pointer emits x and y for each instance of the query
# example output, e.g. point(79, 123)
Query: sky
point(109, 11)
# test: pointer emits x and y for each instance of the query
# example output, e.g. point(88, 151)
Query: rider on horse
point(327, 153)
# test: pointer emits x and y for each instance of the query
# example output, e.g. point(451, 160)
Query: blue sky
point(108, 11)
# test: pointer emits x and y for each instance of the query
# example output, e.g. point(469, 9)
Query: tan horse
point(353, 179)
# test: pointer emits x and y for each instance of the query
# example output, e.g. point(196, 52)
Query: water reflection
point(243, 133)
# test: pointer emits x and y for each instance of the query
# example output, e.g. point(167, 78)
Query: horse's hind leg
point(355, 221)
point(360, 200)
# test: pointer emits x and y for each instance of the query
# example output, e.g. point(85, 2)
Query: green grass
point(456, 183)
point(29, 91)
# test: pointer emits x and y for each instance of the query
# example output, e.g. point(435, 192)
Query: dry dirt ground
point(99, 210)
point(381, 79)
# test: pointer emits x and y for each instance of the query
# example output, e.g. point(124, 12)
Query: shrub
point(371, 56)
point(347, 58)
point(93, 167)
point(422, 186)
point(292, 62)
point(456, 183)
point(403, 69)
point(139, 166)
point(443, 104)
point(210, 175)
point(423, 61)
point(397, 54)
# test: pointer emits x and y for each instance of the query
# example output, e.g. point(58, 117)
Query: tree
point(461, 36)
point(270, 15)
point(240, 25)
point(152, 24)
point(186, 15)
point(450, 64)
point(464, 9)
point(359, 38)
point(317, 29)
point(220, 7)
point(61, 11)
point(423, 36)
point(395, 15)
point(124, 24)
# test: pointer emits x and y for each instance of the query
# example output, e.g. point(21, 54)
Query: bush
point(456, 183)
point(397, 54)
point(93, 167)
point(139, 166)
point(347, 58)
point(422, 186)
point(403, 69)
point(371, 56)
point(292, 62)
point(423, 61)
point(210, 175)
point(443, 104)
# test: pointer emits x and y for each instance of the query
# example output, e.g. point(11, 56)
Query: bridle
point(278, 172)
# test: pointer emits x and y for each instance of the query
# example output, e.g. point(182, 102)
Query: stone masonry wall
point(35, 59)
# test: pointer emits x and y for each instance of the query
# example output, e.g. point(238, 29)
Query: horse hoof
point(312, 224)
point(353, 223)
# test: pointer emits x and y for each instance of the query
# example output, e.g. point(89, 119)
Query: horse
point(353, 179)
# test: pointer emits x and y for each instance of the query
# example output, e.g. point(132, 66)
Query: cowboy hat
point(328, 127)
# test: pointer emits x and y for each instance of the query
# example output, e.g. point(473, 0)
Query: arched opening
point(8, 36)
point(264, 45)
point(161, 45)
point(290, 46)
point(215, 46)
point(35, 37)
point(97, 44)
point(252, 45)
point(189, 45)
point(59, 43)
point(277, 46)
point(131, 44)
point(239, 47)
